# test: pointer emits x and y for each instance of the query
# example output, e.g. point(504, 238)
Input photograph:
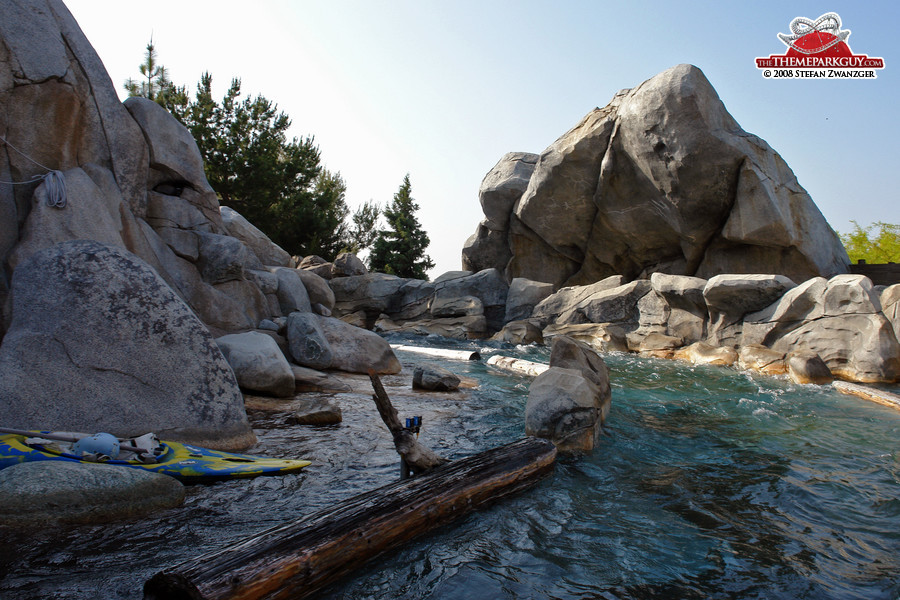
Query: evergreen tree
point(155, 83)
point(400, 249)
point(362, 230)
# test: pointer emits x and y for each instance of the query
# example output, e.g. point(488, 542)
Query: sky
point(441, 90)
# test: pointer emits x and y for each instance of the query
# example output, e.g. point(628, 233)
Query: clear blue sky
point(442, 90)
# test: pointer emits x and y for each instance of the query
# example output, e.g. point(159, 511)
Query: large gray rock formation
point(98, 341)
point(660, 180)
point(501, 188)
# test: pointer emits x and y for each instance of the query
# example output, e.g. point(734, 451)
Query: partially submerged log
point(417, 457)
point(868, 393)
point(297, 559)
point(453, 354)
point(517, 365)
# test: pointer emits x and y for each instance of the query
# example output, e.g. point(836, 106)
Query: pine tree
point(400, 249)
point(155, 83)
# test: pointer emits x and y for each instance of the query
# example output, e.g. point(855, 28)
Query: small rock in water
point(808, 367)
point(317, 411)
point(436, 379)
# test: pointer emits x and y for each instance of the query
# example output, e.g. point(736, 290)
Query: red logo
point(818, 49)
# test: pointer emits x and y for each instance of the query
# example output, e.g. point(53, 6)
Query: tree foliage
point(154, 82)
point(362, 231)
point(277, 183)
point(400, 249)
point(878, 243)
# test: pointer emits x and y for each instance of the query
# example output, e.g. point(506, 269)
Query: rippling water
point(708, 483)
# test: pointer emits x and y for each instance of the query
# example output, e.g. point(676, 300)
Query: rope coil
point(53, 179)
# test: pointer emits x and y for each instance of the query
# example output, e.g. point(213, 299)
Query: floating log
point(454, 354)
point(517, 365)
point(297, 559)
point(868, 393)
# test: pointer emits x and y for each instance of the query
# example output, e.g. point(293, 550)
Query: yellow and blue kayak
point(189, 464)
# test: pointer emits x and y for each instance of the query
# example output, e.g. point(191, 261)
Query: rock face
point(660, 180)
point(500, 190)
point(44, 493)
point(98, 341)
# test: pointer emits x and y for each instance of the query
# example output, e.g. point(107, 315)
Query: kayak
point(189, 464)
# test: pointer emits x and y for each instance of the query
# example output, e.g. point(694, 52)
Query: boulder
point(373, 293)
point(568, 402)
point(307, 343)
point(856, 347)
point(43, 494)
point(602, 337)
point(568, 298)
point(347, 264)
point(435, 379)
point(568, 353)
point(757, 357)
point(357, 350)
point(224, 258)
point(176, 165)
point(504, 185)
point(486, 249)
point(662, 179)
point(701, 353)
point(473, 327)
point(268, 252)
point(730, 297)
point(519, 332)
point(890, 306)
point(799, 305)
point(657, 345)
point(258, 363)
point(98, 341)
point(316, 411)
point(807, 367)
point(489, 286)
point(317, 289)
point(500, 189)
point(523, 296)
point(617, 305)
point(317, 265)
point(412, 301)
point(562, 407)
point(291, 292)
point(681, 291)
point(461, 306)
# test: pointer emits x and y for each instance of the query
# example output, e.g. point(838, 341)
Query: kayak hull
point(189, 464)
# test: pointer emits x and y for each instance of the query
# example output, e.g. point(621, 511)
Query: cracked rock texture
point(105, 345)
point(662, 179)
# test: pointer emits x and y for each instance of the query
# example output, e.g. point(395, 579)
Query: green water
point(707, 483)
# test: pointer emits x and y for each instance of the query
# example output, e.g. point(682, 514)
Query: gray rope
point(54, 180)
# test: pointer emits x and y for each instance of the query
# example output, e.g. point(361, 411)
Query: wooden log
point(868, 393)
point(297, 559)
point(416, 456)
point(452, 354)
point(517, 365)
